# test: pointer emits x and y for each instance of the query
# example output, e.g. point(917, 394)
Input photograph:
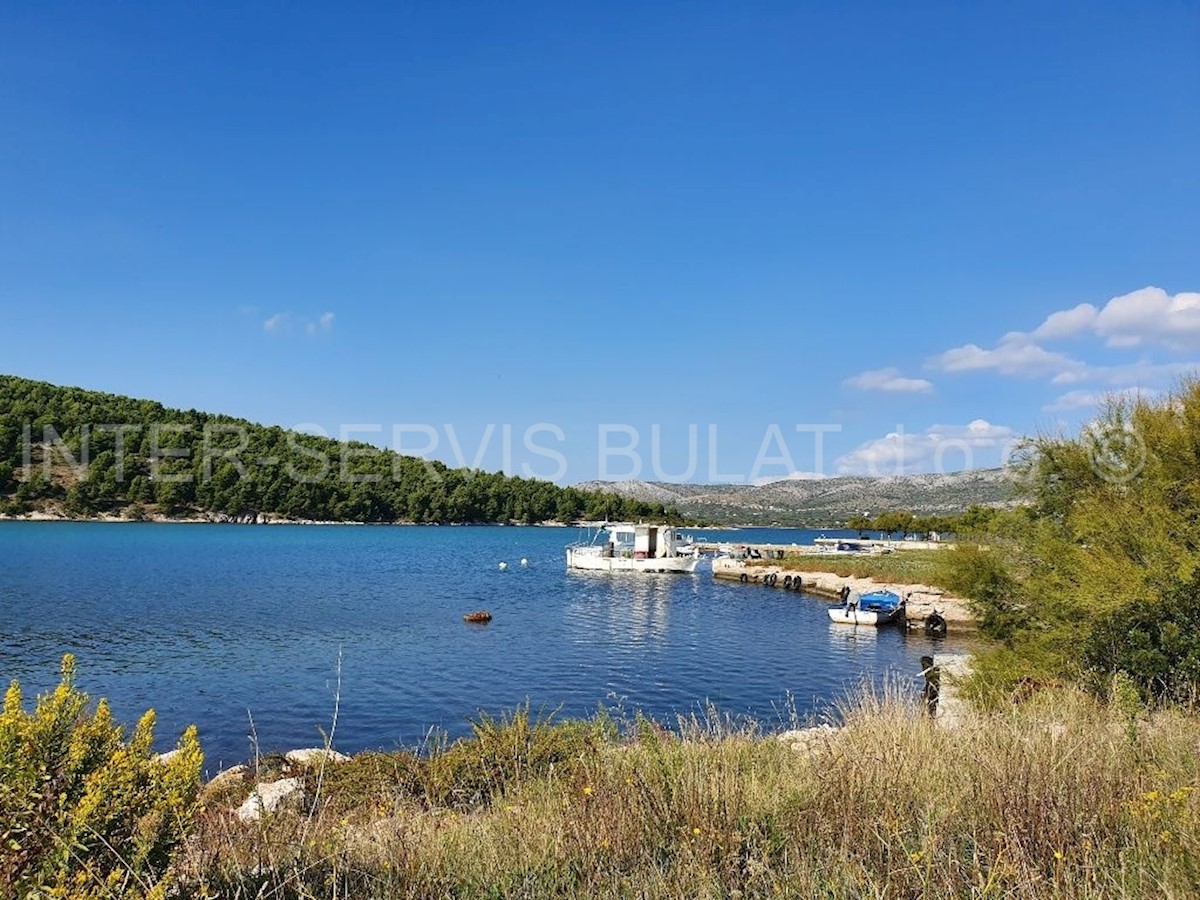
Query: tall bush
point(84, 812)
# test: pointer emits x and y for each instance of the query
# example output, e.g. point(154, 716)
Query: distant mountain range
point(822, 501)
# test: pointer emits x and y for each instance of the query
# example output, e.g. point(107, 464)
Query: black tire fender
point(935, 624)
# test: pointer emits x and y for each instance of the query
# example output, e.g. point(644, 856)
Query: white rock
point(312, 756)
point(268, 797)
point(805, 739)
point(237, 771)
point(165, 758)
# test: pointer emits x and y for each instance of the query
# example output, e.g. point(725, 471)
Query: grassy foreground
point(1061, 796)
point(899, 567)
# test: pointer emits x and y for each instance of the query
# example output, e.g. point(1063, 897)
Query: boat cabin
point(641, 541)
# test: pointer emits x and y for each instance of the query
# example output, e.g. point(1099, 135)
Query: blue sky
point(742, 218)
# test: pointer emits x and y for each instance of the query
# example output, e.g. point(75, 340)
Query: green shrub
point(515, 747)
point(1156, 644)
point(982, 576)
point(85, 813)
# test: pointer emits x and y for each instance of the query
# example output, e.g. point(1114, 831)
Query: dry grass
point(899, 567)
point(1061, 797)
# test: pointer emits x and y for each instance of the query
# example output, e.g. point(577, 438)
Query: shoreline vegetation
point(1059, 793)
point(159, 519)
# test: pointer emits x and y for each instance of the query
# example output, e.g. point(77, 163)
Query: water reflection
point(642, 609)
point(853, 638)
point(628, 609)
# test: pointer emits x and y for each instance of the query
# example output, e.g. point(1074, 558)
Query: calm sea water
point(222, 625)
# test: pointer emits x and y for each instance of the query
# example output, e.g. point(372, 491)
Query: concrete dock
point(821, 546)
point(922, 599)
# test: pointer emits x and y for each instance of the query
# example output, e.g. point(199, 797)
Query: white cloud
point(323, 324)
point(1016, 354)
point(1067, 323)
point(940, 448)
point(1149, 316)
point(1146, 317)
point(1143, 317)
point(888, 380)
point(286, 323)
point(1076, 400)
point(1073, 400)
point(277, 323)
point(1136, 374)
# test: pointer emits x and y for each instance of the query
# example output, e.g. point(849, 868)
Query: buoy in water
point(503, 566)
point(524, 562)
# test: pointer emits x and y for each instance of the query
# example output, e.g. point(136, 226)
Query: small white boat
point(851, 546)
point(635, 548)
point(875, 608)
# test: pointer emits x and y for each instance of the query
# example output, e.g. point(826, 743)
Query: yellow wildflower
point(588, 791)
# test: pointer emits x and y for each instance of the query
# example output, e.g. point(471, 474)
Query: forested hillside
point(145, 459)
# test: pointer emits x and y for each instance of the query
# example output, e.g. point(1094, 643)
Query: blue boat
point(874, 608)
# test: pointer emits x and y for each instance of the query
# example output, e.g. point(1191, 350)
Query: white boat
point(875, 608)
point(851, 546)
point(635, 548)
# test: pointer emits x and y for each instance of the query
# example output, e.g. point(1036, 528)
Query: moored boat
point(874, 608)
point(635, 548)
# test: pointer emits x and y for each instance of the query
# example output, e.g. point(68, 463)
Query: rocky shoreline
point(244, 519)
point(286, 781)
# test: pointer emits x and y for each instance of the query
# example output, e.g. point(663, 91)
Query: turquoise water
point(224, 625)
